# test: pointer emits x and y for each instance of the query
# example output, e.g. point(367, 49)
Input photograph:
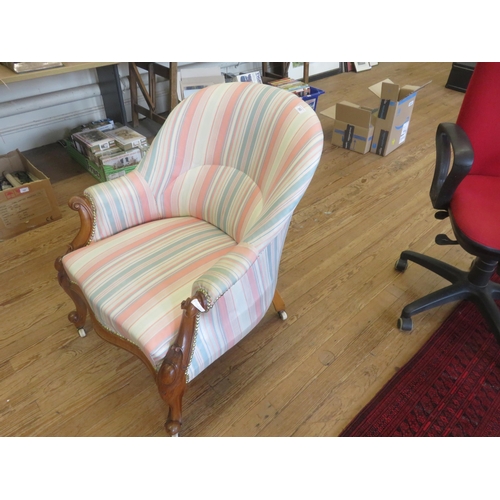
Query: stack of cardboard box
point(379, 130)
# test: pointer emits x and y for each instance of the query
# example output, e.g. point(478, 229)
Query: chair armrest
point(83, 206)
point(271, 225)
point(225, 273)
point(121, 203)
point(450, 137)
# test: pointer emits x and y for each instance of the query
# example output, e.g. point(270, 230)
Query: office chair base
point(474, 285)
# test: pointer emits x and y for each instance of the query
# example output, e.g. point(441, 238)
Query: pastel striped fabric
point(125, 202)
point(136, 280)
point(239, 310)
point(233, 158)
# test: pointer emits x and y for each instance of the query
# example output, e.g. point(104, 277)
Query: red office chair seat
point(475, 209)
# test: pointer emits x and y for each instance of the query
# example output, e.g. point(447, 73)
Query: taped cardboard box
point(393, 117)
point(353, 126)
point(27, 206)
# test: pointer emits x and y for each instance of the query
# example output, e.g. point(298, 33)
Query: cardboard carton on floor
point(394, 113)
point(27, 206)
point(353, 126)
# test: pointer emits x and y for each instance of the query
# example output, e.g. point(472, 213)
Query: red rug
point(451, 387)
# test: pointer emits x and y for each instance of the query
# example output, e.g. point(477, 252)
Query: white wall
point(41, 111)
point(314, 69)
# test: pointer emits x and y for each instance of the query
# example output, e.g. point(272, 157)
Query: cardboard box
point(353, 126)
point(28, 206)
point(394, 113)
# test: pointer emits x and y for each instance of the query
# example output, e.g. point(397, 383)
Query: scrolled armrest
point(450, 137)
point(83, 206)
point(225, 273)
point(121, 203)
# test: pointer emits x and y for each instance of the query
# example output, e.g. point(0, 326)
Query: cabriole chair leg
point(279, 305)
point(79, 316)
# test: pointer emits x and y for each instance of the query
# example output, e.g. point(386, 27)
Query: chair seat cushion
point(476, 209)
point(136, 280)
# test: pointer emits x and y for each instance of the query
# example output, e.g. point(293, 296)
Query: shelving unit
point(108, 80)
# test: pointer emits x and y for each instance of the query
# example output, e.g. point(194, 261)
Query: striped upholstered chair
point(204, 216)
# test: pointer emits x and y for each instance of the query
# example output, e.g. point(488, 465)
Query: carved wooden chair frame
point(171, 377)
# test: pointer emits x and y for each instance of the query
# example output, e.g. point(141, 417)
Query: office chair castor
point(405, 324)
point(401, 265)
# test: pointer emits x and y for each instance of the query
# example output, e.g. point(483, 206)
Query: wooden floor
point(307, 376)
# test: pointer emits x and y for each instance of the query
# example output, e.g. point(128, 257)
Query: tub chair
point(203, 216)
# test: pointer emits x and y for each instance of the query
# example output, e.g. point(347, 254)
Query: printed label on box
point(403, 132)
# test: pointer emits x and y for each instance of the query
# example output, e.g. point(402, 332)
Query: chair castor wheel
point(283, 315)
point(82, 332)
point(401, 265)
point(405, 324)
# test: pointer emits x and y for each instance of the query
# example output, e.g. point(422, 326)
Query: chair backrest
point(231, 152)
point(479, 116)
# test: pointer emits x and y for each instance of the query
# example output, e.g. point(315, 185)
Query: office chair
point(466, 188)
point(204, 216)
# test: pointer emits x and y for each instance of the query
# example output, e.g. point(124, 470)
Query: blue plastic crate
point(312, 98)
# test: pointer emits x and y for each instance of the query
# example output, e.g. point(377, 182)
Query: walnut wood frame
point(171, 376)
